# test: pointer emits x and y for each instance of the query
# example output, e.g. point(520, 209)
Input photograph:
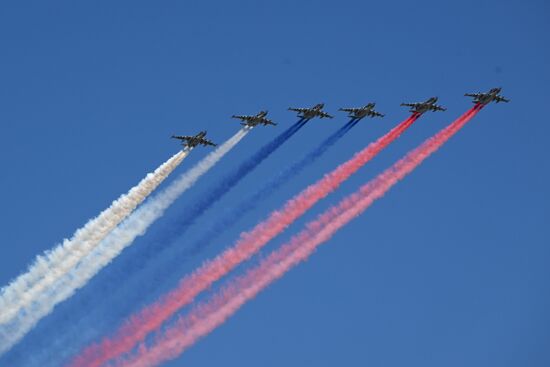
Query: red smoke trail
point(136, 328)
point(205, 317)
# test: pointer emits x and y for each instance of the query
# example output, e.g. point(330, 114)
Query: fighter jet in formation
point(192, 141)
point(357, 113)
point(309, 113)
point(255, 120)
point(361, 112)
point(491, 96)
point(421, 107)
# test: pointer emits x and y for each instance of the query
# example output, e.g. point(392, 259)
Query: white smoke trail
point(121, 237)
point(55, 263)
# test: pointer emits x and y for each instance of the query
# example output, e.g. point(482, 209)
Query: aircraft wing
point(438, 108)
point(474, 95)
point(206, 142)
point(324, 114)
point(501, 99)
point(242, 117)
point(299, 109)
point(351, 110)
point(374, 113)
point(268, 122)
point(410, 104)
point(182, 137)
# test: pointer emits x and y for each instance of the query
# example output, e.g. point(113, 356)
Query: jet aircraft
point(192, 141)
point(361, 112)
point(309, 113)
point(490, 96)
point(255, 120)
point(421, 107)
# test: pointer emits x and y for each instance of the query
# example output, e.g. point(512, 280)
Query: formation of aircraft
point(422, 107)
point(254, 120)
point(485, 98)
point(192, 141)
point(309, 113)
point(361, 112)
point(354, 113)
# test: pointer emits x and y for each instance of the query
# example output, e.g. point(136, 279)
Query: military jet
point(361, 112)
point(309, 113)
point(421, 107)
point(255, 120)
point(490, 96)
point(192, 141)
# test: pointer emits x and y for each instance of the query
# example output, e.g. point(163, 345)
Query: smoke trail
point(154, 249)
point(213, 195)
point(205, 317)
point(147, 283)
point(56, 262)
point(268, 189)
point(138, 326)
point(121, 237)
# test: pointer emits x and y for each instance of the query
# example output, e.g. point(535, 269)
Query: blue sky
point(450, 268)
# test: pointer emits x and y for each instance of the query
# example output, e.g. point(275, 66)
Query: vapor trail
point(121, 237)
point(49, 267)
point(147, 282)
point(204, 317)
point(154, 249)
point(230, 218)
point(151, 317)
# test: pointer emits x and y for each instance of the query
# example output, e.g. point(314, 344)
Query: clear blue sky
point(450, 268)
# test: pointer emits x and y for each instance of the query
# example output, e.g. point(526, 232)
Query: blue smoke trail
point(135, 259)
point(269, 188)
point(149, 282)
point(214, 195)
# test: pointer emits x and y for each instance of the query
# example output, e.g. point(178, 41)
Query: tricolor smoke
point(133, 269)
point(136, 291)
point(205, 317)
point(138, 326)
point(55, 263)
point(118, 239)
point(268, 189)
